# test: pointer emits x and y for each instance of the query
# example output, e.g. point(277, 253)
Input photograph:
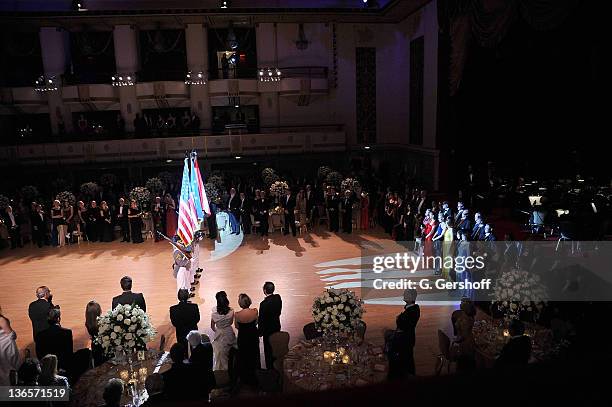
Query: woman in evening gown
point(365, 211)
point(171, 219)
point(221, 322)
point(249, 359)
point(106, 223)
point(135, 218)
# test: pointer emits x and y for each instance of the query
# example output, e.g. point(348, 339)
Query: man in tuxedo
point(201, 358)
point(464, 225)
point(420, 205)
point(39, 226)
point(332, 205)
point(517, 351)
point(212, 221)
point(478, 229)
point(245, 213)
point(38, 311)
point(447, 213)
point(288, 204)
point(347, 212)
point(184, 316)
point(401, 359)
point(233, 206)
point(261, 212)
point(13, 222)
point(128, 297)
point(122, 219)
point(269, 319)
point(460, 210)
point(55, 340)
point(311, 204)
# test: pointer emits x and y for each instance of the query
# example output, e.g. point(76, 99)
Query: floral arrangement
point(142, 196)
point(351, 184)
point(269, 176)
point(66, 196)
point(337, 311)
point(155, 185)
point(29, 193)
point(323, 171)
point(127, 329)
point(212, 192)
point(518, 291)
point(4, 201)
point(278, 188)
point(108, 179)
point(89, 189)
point(277, 210)
point(334, 178)
point(218, 181)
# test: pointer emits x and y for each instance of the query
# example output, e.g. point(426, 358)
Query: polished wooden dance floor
point(80, 273)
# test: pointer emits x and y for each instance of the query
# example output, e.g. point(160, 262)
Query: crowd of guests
point(64, 223)
point(235, 347)
point(160, 124)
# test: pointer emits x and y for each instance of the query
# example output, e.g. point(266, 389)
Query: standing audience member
point(128, 297)
point(28, 372)
point(92, 221)
point(13, 223)
point(184, 316)
point(38, 311)
point(154, 384)
point(135, 219)
point(9, 353)
point(181, 381)
point(57, 222)
point(92, 311)
point(55, 340)
point(39, 226)
point(248, 340)
point(221, 322)
point(122, 220)
point(269, 319)
point(401, 346)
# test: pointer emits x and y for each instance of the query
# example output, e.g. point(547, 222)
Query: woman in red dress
point(171, 217)
point(365, 211)
point(428, 232)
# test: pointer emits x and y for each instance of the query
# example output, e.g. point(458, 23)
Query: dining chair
point(279, 342)
point(444, 358)
point(311, 332)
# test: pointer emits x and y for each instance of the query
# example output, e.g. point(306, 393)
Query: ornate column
point(126, 61)
point(196, 41)
point(54, 44)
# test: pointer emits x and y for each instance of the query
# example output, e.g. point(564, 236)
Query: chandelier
point(196, 78)
point(126, 79)
point(46, 84)
point(269, 74)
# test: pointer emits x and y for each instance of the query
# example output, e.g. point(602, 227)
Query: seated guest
point(201, 357)
point(401, 346)
point(28, 372)
point(113, 392)
point(184, 316)
point(55, 340)
point(92, 312)
point(128, 297)
point(518, 349)
point(48, 373)
point(38, 311)
point(155, 389)
point(463, 348)
point(9, 353)
point(180, 381)
point(467, 309)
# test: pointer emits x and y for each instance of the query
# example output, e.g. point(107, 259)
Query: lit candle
point(506, 333)
point(346, 359)
point(124, 375)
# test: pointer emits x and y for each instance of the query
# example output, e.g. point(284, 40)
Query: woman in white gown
point(221, 322)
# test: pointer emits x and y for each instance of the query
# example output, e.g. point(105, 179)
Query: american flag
point(188, 219)
point(197, 186)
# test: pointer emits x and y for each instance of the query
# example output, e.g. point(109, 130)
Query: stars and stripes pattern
point(188, 219)
point(197, 186)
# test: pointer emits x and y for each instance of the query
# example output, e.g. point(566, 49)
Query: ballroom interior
point(244, 142)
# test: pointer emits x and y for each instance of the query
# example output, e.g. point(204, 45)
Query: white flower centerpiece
point(337, 312)
point(518, 291)
point(278, 188)
point(124, 331)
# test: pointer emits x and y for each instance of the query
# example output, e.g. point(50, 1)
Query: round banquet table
point(490, 337)
point(89, 388)
point(306, 369)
